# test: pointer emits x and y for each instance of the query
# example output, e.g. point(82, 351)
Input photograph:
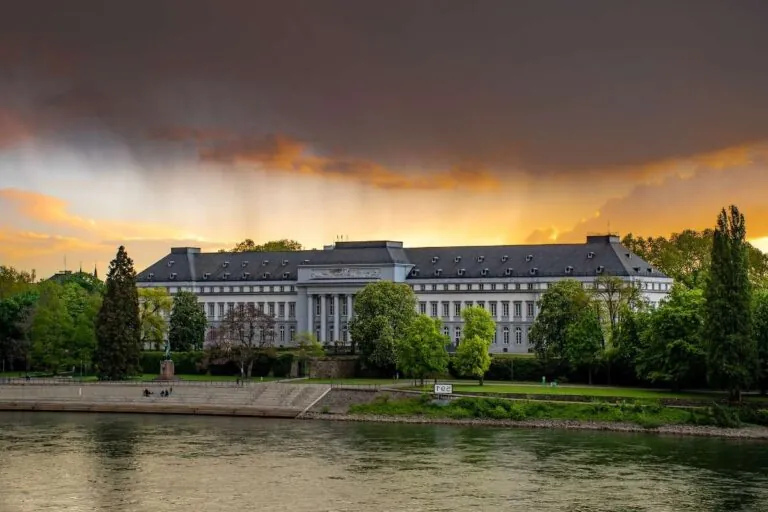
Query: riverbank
point(714, 421)
point(752, 432)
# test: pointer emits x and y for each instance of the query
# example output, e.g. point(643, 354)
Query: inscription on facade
point(346, 273)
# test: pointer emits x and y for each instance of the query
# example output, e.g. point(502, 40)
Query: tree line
point(712, 329)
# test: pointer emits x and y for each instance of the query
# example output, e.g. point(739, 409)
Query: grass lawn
point(146, 377)
point(576, 390)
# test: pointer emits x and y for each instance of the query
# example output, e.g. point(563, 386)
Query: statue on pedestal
point(166, 366)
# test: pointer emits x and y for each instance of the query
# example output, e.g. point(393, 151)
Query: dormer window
point(600, 269)
point(226, 275)
point(629, 255)
point(244, 264)
point(306, 262)
point(504, 258)
point(650, 270)
point(480, 259)
point(150, 276)
point(206, 276)
point(415, 271)
point(457, 259)
point(170, 263)
point(534, 271)
point(265, 275)
point(225, 264)
point(461, 272)
point(286, 275)
point(590, 255)
point(508, 271)
point(285, 263)
point(529, 257)
point(265, 263)
point(569, 269)
point(435, 259)
point(636, 269)
point(484, 272)
point(172, 276)
point(438, 272)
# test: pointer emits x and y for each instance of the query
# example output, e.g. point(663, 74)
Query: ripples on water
point(68, 463)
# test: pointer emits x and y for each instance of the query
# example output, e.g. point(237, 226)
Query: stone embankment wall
point(333, 367)
point(254, 399)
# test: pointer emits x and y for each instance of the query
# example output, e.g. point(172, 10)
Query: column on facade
point(336, 317)
point(310, 314)
point(498, 311)
point(450, 311)
point(286, 307)
point(349, 307)
point(323, 318)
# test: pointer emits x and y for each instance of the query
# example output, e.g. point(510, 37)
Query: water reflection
point(136, 463)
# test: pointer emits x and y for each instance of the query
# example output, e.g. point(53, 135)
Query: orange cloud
point(737, 176)
point(277, 153)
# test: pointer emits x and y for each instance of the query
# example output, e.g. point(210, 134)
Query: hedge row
point(195, 363)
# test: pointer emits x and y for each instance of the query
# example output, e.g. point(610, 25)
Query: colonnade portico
point(321, 302)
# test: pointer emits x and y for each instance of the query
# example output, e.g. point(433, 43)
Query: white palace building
point(314, 290)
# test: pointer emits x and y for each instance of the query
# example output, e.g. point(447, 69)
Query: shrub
point(724, 416)
point(185, 363)
point(517, 413)
point(498, 413)
point(281, 365)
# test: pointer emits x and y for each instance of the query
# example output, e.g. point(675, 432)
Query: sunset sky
point(198, 122)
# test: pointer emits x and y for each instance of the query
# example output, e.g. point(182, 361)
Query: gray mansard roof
point(600, 254)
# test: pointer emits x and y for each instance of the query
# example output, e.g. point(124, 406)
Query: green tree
point(16, 313)
point(731, 349)
point(84, 334)
point(478, 322)
point(560, 306)
point(626, 345)
point(672, 350)
point(52, 329)
point(613, 296)
point(13, 282)
point(308, 347)
point(384, 311)
point(422, 353)
point(243, 334)
point(760, 330)
point(188, 323)
point(249, 245)
point(584, 341)
point(118, 327)
point(472, 357)
point(154, 307)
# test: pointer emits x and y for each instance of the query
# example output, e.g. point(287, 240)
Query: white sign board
point(443, 389)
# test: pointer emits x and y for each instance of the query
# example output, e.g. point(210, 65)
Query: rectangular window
point(505, 334)
point(331, 304)
point(344, 336)
point(482, 286)
point(457, 335)
point(432, 287)
point(230, 307)
point(271, 307)
point(261, 307)
point(211, 309)
point(505, 309)
point(481, 304)
point(457, 309)
point(318, 306)
point(221, 309)
point(518, 336)
point(493, 286)
point(518, 309)
point(433, 309)
point(493, 309)
point(446, 309)
point(281, 309)
point(282, 334)
point(529, 306)
point(292, 310)
point(343, 306)
point(530, 286)
point(468, 304)
point(447, 332)
point(293, 333)
point(423, 308)
point(517, 286)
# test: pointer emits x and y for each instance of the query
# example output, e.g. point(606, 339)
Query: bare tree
point(243, 334)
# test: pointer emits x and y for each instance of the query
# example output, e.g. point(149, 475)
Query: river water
point(82, 462)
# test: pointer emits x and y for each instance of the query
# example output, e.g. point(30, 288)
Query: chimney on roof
point(608, 238)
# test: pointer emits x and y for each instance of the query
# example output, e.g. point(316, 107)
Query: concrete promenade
point(264, 399)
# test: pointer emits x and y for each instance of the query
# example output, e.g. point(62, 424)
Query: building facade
point(314, 290)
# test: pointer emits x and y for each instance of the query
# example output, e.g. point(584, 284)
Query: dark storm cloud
point(542, 86)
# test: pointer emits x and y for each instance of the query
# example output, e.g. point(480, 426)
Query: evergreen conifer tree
point(118, 330)
point(731, 349)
